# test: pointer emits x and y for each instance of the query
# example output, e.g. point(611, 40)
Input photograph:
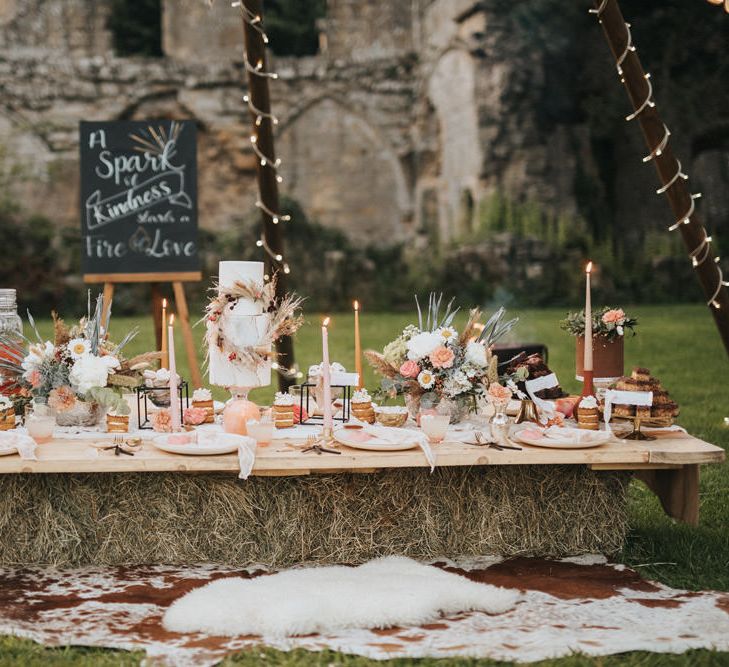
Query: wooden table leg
point(678, 491)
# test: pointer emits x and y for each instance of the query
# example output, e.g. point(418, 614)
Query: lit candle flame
point(588, 268)
point(172, 320)
point(325, 323)
point(356, 305)
point(164, 303)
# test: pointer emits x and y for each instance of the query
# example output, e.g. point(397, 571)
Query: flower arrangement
point(80, 365)
point(432, 362)
point(608, 322)
point(283, 320)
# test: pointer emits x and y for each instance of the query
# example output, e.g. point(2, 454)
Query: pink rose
point(162, 421)
point(499, 392)
point(194, 416)
point(442, 357)
point(616, 316)
point(410, 369)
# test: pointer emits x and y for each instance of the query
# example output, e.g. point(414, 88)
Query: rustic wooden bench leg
point(678, 491)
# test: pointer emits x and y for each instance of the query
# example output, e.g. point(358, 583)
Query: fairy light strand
point(702, 252)
point(255, 21)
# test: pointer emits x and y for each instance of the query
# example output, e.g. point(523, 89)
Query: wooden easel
point(178, 289)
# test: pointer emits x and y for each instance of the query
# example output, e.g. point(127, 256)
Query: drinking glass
point(435, 426)
point(40, 420)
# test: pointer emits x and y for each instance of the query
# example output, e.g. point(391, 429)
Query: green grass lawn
point(678, 343)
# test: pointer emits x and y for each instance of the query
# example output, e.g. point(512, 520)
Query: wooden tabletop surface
point(669, 450)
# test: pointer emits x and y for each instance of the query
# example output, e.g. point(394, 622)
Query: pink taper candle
point(587, 369)
point(174, 398)
point(357, 348)
point(326, 377)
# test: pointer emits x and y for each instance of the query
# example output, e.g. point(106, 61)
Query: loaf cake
point(663, 407)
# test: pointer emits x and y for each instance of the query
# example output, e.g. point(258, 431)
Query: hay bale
point(114, 519)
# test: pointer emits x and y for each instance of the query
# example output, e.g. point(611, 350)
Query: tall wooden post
point(673, 181)
point(259, 103)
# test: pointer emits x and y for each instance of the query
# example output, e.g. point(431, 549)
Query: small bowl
point(391, 416)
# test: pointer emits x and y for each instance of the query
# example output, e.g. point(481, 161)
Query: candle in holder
point(164, 361)
point(326, 378)
point(357, 347)
point(174, 398)
point(587, 369)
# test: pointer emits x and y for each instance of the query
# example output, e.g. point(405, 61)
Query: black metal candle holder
point(305, 395)
point(144, 397)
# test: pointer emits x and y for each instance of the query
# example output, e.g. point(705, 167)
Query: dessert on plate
point(362, 407)
point(283, 410)
point(203, 398)
point(588, 414)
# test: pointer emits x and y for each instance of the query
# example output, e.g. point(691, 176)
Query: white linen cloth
point(246, 448)
point(545, 408)
point(397, 435)
point(20, 441)
point(616, 396)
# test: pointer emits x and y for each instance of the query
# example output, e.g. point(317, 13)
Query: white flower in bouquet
point(456, 384)
point(422, 344)
point(37, 354)
point(448, 335)
point(477, 354)
point(78, 347)
point(426, 379)
point(90, 371)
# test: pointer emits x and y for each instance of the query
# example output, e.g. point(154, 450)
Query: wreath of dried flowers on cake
point(283, 321)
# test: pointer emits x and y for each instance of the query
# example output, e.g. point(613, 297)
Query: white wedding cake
point(244, 326)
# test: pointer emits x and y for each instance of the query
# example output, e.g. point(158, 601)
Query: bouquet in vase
point(435, 366)
point(78, 373)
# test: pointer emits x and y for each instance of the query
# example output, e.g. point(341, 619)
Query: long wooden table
point(669, 465)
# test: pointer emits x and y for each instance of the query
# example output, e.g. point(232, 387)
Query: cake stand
point(636, 433)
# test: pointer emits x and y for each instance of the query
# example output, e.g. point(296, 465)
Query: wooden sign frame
point(178, 290)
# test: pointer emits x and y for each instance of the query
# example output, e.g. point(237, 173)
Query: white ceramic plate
point(572, 438)
point(223, 444)
point(354, 438)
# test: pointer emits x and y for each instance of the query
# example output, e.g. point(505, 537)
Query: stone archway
point(451, 90)
point(323, 151)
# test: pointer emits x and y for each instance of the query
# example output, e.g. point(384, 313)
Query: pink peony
point(616, 316)
point(162, 421)
point(442, 357)
point(194, 416)
point(499, 392)
point(409, 369)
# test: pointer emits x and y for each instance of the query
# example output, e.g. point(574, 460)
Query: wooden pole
point(673, 181)
point(255, 53)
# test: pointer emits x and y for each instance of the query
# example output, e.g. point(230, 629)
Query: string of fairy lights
point(255, 21)
point(702, 252)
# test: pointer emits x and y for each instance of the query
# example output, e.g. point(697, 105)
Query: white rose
point(620, 331)
point(476, 354)
point(89, 371)
point(37, 354)
point(422, 344)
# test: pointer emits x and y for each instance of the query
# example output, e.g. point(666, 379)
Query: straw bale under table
point(177, 518)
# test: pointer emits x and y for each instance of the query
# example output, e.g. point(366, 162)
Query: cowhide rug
point(574, 605)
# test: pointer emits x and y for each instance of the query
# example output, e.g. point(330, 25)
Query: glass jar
point(11, 326)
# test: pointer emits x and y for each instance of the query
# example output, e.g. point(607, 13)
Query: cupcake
point(588, 416)
point(7, 414)
point(203, 398)
point(362, 406)
point(117, 423)
point(283, 410)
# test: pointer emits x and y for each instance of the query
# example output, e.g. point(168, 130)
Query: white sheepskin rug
point(385, 592)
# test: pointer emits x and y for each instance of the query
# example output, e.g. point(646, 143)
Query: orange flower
point(499, 392)
point(162, 421)
point(615, 316)
point(442, 357)
point(62, 398)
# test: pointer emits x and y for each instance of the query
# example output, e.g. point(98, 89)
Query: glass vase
point(499, 421)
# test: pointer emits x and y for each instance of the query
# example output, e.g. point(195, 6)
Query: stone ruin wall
point(409, 117)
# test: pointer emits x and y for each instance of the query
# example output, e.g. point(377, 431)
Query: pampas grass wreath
point(386, 592)
point(183, 518)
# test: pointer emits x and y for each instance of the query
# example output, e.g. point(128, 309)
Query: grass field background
point(679, 344)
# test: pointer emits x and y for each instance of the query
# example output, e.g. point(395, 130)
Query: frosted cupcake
point(283, 410)
point(588, 416)
point(203, 398)
point(7, 414)
point(362, 406)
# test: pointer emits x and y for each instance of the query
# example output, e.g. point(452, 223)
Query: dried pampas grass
point(114, 519)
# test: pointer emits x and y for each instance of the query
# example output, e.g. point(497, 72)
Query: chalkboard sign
point(138, 198)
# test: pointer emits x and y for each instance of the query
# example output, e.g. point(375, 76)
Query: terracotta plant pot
point(607, 357)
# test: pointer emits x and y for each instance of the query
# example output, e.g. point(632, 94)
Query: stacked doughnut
point(640, 379)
